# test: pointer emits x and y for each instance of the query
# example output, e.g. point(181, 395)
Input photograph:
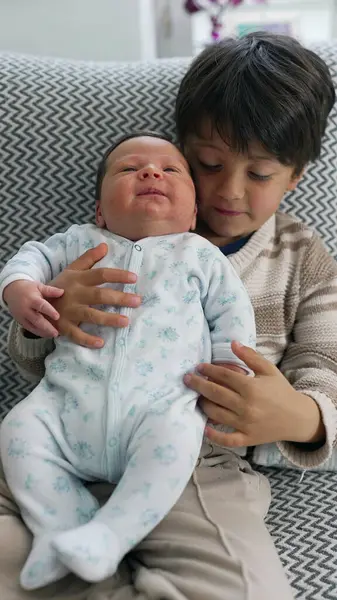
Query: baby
point(120, 413)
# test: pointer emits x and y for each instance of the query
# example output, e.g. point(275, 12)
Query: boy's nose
point(232, 187)
point(150, 172)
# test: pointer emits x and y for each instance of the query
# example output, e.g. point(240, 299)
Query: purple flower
point(191, 6)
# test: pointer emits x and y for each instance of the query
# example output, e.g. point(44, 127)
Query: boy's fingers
point(100, 317)
point(89, 258)
point(229, 440)
point(213, 392)
point(80, 338)
point(227, 413)
point(113, 298)
point(107, 275)
point(255, 361)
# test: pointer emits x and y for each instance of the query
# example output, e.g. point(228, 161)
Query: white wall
point(173, 29)
point(80, 29)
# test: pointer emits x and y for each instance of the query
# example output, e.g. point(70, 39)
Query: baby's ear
point(100, 222)
point(194, 219)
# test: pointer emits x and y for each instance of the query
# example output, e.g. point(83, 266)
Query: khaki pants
point(212, 546)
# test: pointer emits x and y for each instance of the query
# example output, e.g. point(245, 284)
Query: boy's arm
point(229, 313)
point(310, 361)
point(28, 353)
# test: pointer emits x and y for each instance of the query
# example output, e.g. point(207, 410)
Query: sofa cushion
point(302, 522)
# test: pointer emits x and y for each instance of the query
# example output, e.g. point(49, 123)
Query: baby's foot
point(42, 566)
point(91, 551)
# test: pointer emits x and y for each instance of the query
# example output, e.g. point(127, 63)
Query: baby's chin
point(148, 229)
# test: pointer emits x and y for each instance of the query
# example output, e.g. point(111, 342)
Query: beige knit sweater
point(292, 282)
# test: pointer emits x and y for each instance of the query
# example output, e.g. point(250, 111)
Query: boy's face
point(147, 190)
point(236, 193)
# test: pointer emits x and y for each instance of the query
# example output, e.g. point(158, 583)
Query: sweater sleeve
point(229, 312)
point(310, 361)
point(27, 353)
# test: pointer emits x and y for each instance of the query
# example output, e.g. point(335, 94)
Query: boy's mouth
point(229, 213)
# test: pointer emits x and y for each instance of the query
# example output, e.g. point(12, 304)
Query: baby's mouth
point(151, 191)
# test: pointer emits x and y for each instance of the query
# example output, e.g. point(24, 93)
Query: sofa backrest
point(56, 119)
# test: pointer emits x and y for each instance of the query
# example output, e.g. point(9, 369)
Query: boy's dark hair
point(264, 88)
point(101, 169)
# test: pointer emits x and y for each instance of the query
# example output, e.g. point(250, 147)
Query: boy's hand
point(260, 409)
point(26, 301)
point(232, 367)
point(83, 295)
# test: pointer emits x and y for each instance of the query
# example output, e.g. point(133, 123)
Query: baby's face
point(147, 190)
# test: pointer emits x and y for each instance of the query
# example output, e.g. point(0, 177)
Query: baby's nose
point(151, 172)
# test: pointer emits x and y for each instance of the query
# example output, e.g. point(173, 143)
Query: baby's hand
point(26, 302)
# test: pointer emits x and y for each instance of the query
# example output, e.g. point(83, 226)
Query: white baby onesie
point(121, 413)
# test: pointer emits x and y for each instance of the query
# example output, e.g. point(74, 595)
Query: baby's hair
point(101, 170)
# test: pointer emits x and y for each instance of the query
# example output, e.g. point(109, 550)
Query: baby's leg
point(46, 487)
point(160, 461)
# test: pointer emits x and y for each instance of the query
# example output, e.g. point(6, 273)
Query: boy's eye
point(209, 167)
point(258, 177)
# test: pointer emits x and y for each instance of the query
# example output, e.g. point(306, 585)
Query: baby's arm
point(23, 280)
point(229, 313)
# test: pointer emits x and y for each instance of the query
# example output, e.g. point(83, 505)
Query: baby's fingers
point(40, 305)
point(37, 324)
point(49, 291)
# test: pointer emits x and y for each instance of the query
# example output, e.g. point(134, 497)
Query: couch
point(56, 118)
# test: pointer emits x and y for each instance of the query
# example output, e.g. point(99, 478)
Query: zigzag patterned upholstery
point(56, 119)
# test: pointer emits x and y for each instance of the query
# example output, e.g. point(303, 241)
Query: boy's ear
point(100, 222)
point(194, 219)
point(295, 181)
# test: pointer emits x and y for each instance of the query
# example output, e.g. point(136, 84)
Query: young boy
point(194, 306)
point(251, 114)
